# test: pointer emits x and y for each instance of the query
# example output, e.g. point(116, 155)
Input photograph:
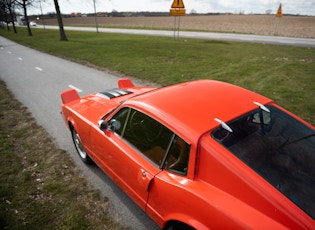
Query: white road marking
point(20, 58)
point(77, 89)
point(39, 69)
point(9, 52)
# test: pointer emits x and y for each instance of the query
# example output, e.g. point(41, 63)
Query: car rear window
point(279, 148)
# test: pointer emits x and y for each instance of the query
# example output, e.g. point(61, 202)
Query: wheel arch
point(183, 221)
point(71, 124)
point(177, 225)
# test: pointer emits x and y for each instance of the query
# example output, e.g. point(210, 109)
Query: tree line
point(8, 15)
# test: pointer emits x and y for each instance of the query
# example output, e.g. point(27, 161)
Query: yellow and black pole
point(177, 10)
point(278, 18)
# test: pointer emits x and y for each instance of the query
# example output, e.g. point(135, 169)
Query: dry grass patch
point(39, 184)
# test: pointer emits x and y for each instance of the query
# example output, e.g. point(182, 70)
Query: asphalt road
point(36, 79)
point(276, 40)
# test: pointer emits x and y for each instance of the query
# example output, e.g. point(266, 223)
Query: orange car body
point(216, 190)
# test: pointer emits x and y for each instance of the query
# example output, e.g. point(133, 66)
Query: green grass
point(40, 187)
point(283, 73)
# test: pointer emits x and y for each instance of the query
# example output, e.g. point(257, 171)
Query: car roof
point(191, 107)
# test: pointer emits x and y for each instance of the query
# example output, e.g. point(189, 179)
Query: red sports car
point(201, 154)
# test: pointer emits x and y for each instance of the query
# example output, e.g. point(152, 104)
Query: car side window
point(121, 116)
point(147, 135)
point(153, 140)
point(178, 156)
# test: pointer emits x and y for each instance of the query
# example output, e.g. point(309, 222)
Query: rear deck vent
point(113, 93)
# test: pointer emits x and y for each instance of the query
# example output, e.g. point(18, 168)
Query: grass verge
point(283, 73)
point(40, 187)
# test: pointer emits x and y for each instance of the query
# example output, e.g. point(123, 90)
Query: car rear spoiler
point(69, 95)
point(125, 83)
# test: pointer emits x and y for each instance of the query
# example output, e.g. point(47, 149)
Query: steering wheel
point(146, 125)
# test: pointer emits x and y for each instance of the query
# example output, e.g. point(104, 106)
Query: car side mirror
point(112, 125)
point(103, 125)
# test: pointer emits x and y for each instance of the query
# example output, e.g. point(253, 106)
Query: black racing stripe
point(109, 95)
point(122, 92)
point(113, 93)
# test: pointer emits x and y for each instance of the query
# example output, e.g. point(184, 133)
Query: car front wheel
point(79, 147)
point(179, 226)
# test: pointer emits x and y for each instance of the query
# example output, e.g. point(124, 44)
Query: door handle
point(144, 174)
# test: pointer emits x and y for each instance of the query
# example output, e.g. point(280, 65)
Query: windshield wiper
point(224, 125)
point(297, 140)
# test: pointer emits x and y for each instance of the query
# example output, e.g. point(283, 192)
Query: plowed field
point(291, 26)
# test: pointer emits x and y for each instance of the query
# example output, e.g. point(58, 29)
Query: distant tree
point(10, 7)
point(52, 14)
point(7, 8)
point(24, 4)
point(63, 36)
point(268, 11)
point(3, 14)
point(193, 11)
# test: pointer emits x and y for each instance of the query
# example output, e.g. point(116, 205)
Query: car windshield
point(279, 148)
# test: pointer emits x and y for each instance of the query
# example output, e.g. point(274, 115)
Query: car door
point(133, 152)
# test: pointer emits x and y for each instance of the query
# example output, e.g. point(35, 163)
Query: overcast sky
point(303, 7)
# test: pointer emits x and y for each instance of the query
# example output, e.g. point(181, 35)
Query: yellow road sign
point(279, 12)
point(177, 12)
point(178, 4)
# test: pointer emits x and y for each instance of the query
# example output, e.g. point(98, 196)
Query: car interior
point(279, 148)
point(155, 141)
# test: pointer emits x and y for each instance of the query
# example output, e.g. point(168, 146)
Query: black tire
point(79, 147)
point(179, 226)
